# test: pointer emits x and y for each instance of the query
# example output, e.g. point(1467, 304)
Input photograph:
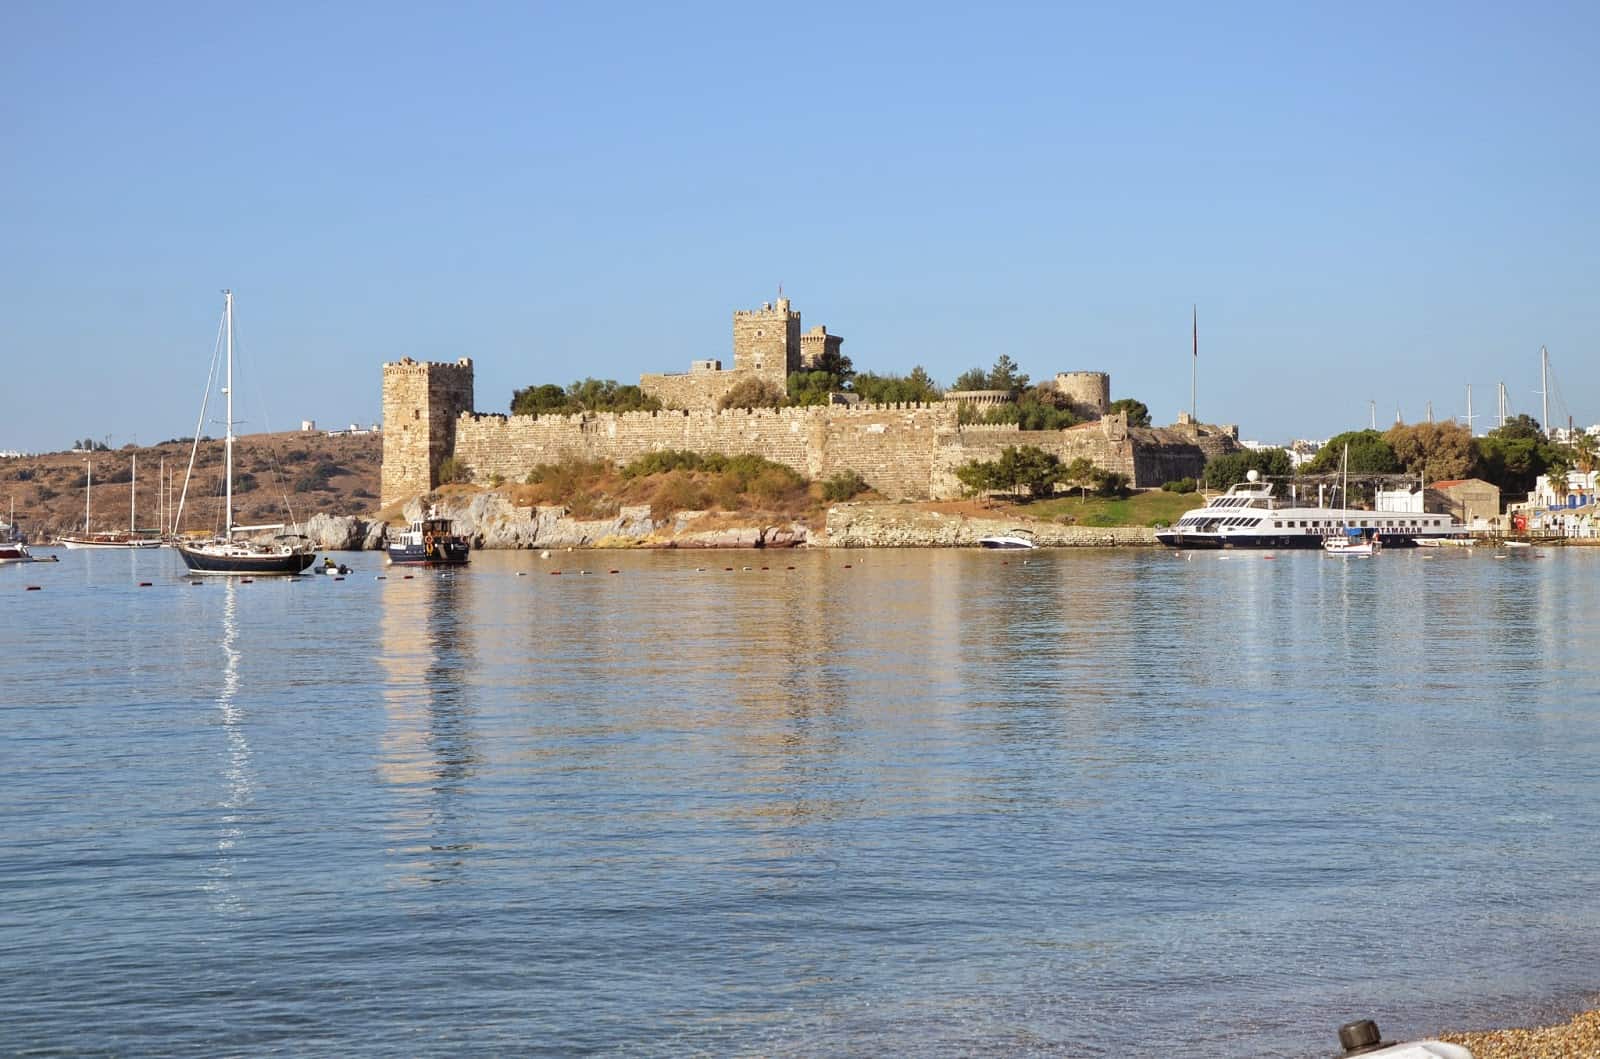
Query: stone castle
point(906, 451)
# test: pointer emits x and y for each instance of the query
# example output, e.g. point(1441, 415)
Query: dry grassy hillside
point(337, 475)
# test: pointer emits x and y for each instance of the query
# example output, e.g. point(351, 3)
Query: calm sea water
point(931, 803)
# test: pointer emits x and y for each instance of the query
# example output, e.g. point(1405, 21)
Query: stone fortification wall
point(979, 398)
point(892, 447)
point(422, 402)
point(692, 391)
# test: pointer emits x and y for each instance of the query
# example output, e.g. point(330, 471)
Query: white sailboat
point(286, 553)
point(133, 538)
point(1352, 542)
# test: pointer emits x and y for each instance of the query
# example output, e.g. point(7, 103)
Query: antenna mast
point(1470, 417)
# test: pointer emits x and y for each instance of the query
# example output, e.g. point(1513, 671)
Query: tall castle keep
point(422, 403)
point(767, 345)
point(903, 451)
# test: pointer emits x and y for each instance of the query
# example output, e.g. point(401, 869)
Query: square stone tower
point(816, 344)
point(421, 402)
point(766, 341)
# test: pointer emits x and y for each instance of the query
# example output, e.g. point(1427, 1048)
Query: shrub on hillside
point(843, 486)
point(453, 470)
point(565, 478)
point(1181, 485)
point(753, 393)
point(663, 462)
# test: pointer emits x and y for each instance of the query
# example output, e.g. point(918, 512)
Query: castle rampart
point(903, 451)
point(890, 446)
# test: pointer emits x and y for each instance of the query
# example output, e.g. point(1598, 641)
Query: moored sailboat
point(133, 538)
point(285, 553)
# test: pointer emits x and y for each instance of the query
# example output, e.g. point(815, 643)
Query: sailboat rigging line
point(194, 447)
point(280, 478)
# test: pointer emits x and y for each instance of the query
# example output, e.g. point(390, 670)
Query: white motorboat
point(1017, 538)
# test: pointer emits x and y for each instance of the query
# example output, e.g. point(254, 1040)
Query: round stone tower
point(1088, 392)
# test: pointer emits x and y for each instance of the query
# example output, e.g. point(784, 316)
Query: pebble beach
point(1578, 1038)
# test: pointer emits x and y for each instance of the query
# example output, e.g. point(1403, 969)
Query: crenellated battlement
point(901, 449)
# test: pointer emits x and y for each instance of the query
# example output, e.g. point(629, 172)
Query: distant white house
point(1572, 512)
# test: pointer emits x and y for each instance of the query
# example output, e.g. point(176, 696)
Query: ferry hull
point(1275, 542)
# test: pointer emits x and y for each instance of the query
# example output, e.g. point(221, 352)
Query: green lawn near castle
point(1149, 508)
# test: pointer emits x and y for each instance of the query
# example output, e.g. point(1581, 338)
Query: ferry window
point(1277, 525)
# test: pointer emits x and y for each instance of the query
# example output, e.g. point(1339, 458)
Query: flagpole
point(1194, 364)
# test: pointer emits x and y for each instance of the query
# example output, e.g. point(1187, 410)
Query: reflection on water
point(1078, 803)
point(428, 755)
point(227, 898)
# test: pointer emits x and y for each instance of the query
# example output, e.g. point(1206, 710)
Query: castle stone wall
point(695, 391)
point(891, 446)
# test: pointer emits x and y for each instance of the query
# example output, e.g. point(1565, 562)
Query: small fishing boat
point(430, 541)
point(330, 567)
point(1352, 545)
point(1017, 538)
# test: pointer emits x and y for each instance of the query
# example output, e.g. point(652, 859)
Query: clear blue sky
point(1368, 201)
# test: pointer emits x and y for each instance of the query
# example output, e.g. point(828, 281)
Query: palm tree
point(1583, 451)
point(1556, 475)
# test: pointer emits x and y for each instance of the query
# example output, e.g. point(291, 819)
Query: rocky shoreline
point(492, 521)
point(908, 526)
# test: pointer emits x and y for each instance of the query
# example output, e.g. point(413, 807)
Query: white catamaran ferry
point(1249, 516)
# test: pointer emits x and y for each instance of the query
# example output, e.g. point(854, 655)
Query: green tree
point(1005, 376)
point(587, 395)
point(1434, 451)
point(1138, 411)
point(1027, 469)
point(1234, 467)
point(1521, 425)
point(1512, 463)
point(812, 387)
point(891, 389)
point(972, 379)
point(753, 392)
point(1081, 474)
point(1369, 454)
point(1583, 452)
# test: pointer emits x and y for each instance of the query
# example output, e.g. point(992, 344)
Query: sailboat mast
point(1544, 387)
point(227, 533)
point(133, 494)
point(88, 486)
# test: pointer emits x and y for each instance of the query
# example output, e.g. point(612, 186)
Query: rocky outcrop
point(344, 533)
point(903, 526)
point(490, 520)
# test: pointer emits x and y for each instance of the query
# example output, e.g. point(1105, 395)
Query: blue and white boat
point(1249, 516)
point(430, 541)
